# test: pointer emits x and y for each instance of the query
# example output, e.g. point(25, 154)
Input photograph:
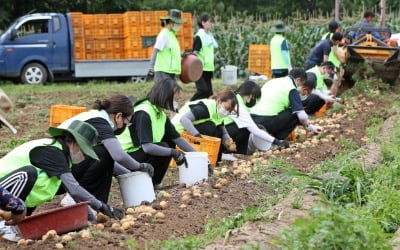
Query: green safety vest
point(277, 60)
point(206, 53)
point(228, 120)
point(45, 187)
point(332, 57)
point(320, 78)
point(168, 60)
point(274, 97)
point(158, 119)
point(211, 105)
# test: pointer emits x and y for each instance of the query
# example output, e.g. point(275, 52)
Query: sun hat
point(279, 27)
point(85, 136)
point(174, 15)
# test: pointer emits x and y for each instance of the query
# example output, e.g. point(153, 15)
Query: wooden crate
point(260, 59)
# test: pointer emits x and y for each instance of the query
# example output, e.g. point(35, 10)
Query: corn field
point(235, 35)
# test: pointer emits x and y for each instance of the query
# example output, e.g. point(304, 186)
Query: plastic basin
point(62, 220)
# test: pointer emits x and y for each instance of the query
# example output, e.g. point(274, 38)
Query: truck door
point(32, 43)
point(59, 47)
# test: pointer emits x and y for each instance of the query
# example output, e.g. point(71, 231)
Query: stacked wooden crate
point(130, 35)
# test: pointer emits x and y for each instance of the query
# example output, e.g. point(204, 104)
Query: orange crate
point(79, 54)
point(89, 45)
point(150, 30)
point(321, 111)
point(100, 44)
point(79, 44)
point(116, 20)
point(132, 17)
point(60, 113)
point(89, 33)
point(292, 136)
point(148, 17)
point(205, 144)
point(259, 59)
point(116, 32)
point(88, 21)
point(133, 43)
point(115, 44)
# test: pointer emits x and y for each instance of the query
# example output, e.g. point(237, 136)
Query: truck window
point(33, 27)
point(56, 24)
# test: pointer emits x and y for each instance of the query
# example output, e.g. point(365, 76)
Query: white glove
point(314, 129)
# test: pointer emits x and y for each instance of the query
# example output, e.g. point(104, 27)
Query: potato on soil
point(185, 199)
point(218, 186)
point(164, 195)
point(86, 235)
point(130, 210)
point(67, 237)
point(100, 227)
point(59, 246)
point(164, 205)
point(101, 218)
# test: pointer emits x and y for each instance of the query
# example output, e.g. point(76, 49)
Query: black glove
point(146, 167)
point(112, 212)
point(198, 135)
point(281, 143)
point(179, 157)
point(150, 73)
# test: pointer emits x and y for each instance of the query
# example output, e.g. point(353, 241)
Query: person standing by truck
point(203, 46)
point(280, 56)
point(166, 58)
point(152, 137)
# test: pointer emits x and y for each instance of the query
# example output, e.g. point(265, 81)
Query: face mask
point(176, 27)
point(77, 158)
point(222, 112)
point(119, 131)
point(251, 103)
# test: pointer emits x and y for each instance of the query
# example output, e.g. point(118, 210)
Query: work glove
point(230, 145)
point(150, 73)
point(198, 135)
point(146, 167)
point(179, 157)
point(281, 143)
point(112, 212)
point(314, 129)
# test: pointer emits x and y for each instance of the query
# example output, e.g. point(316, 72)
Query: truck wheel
point(34, 73)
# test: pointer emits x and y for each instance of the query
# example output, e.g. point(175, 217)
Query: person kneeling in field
point(109, 117)
point(206, 116)
point(241, 126)
point(151, 137)
point(35, 170)
point(322, 94)
point(280, 108)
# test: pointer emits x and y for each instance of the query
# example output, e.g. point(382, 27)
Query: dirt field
point(238, 193)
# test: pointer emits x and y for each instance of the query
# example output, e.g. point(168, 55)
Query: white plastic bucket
point(136, 187)
point(256, 142)
point(196, 169)
point(229, 74)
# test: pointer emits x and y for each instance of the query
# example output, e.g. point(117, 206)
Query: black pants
point(312, 104)
point(240, 136)
point(96, 176)
point(280, 125)
point(20, 183)
point(203, 86)
point(209, 128)
point(160, 163)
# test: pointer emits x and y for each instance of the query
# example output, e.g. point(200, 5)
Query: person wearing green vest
point(322, 94)
point(280, 108)
point(205, 116)
point(279, 49)
point(321, 51)
point(110, 118)
point(35, 170)
point(241, 126)
point(166, 58)
point(203, 46)
point(151, 137)
point(333, 27)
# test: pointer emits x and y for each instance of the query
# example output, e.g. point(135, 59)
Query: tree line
point(224, 8)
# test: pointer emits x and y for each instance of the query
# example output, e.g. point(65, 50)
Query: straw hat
point(85, 136)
